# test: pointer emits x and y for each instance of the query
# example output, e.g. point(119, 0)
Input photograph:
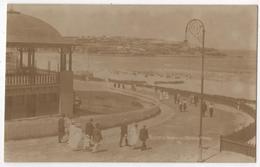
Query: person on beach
point(97, 137)
point(89, 128)
point(143, 136)
point(211, 109)
point(133, 135)
point(61, 128)
point(123, 134)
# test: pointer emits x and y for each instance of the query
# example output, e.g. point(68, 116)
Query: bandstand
point(29, 90)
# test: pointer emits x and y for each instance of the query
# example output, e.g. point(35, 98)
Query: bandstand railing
point(16, 80)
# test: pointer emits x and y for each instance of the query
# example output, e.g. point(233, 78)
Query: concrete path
point(173, 138)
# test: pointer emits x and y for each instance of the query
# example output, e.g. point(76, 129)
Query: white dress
point(75, 138)
point(133, 135)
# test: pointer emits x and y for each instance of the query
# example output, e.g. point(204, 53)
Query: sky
point(227, 27)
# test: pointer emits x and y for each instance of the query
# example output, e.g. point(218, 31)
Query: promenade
point(173, 137)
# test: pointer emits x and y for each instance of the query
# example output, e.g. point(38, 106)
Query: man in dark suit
point(89, 128)
point(204, 108)
point(143, 137)
point(61, 128)
point(123, 134)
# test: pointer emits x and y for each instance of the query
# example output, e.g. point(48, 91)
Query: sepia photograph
point(130, 83)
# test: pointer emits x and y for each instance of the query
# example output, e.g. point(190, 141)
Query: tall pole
point(197, 29)
point(202, 96)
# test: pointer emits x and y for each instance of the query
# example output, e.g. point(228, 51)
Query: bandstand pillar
point(70, 59)
point(66, 99)
point(21, 57)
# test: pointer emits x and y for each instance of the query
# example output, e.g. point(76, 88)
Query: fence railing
point(239, 147)
point(13, 80)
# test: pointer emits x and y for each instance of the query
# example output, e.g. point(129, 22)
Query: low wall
point(44, 126)
point(229, 101)
point(236, 141)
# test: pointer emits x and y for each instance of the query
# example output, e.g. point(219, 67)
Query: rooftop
point(28, 30)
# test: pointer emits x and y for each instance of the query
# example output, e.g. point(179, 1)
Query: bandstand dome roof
point(24, 29)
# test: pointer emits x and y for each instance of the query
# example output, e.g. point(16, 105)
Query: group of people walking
point(131, 136)
point(90, 137)
point(71, 132)
point(119, 85)
point(194, 99)
point(207, 107)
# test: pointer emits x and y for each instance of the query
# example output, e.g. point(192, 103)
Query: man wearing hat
point(61, 128)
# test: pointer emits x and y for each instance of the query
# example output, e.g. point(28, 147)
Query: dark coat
point(123, 129)
point(97, 135)
point(89, 129)
point(61, 125)
point(204, 107)
point(143, 134)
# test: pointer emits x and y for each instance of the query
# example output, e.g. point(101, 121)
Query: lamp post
point(196, 29)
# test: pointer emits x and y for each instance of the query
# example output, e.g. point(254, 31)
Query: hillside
point(123, 46)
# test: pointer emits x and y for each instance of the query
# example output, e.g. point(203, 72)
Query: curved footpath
point(173, 138)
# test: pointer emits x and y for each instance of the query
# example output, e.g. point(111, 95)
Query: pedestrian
point(97, 137)
point(211, 109)
point(61, 128)
point(67, 122)
point(166, 95)
point(89, 128)
point(178, 98)
point(196, 100)
point(175, 98)
point(133, 135)
point(192, 99)
point(143, 137)
point(238, 105)
point(184, 105)
point(123, 133)
point(180, 106)
point(114, 85)
point(76, 136)
point(160, 95)
point(204, 108)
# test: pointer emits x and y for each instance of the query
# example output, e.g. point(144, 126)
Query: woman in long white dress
point(75, 137)
point(133, 135)
point(67, 128)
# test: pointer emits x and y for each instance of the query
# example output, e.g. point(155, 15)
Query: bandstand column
point(29, 55)
point(70, 59)
point(66, 99)
point(33, 59)
point(21, 57)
